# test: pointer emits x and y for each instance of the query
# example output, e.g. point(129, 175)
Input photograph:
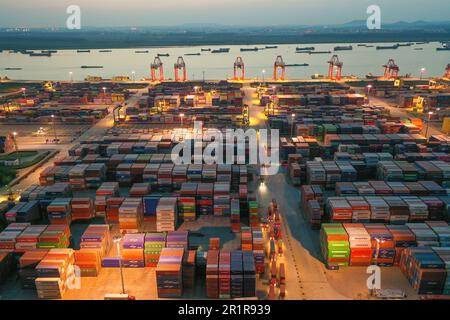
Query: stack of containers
point(237, 280)
point(444, 254)
point(379, 209)
point(418, 211)
point(335, 244)
point(9, 235)
point(398, 209)
point(235, 217)
point(95, 174)
point(221, 198)
point(214, 244)
point(29, 238)
point(154, 243)
point(212, 274)
point(27, 267)
point(113, 205)
point(249, 283)
point(424, 270)
point(253, 212)
point(224, 275)
point(82, 209)
point(360, 209)
point(205, 198)
point(189, 269)
point(166, 214)
point(151, 174)
point(53, 273)
point(131, 214)
point(133, 250)
point(442, 229)
point(59, 211)
point(246, 239)
point(179, 176)
point(178, 239)
point(169, 273)
point(165, 177)
point(258, 249)
point(339, 209)
point(77, 177)
point(187, 208)
point(435, 207)
point(95, 244)
point(150, 205)
point(403, 238)
point(24, 212)
point(383, 250)
point(425, 236)
point(54, 236)
point(106, 190)
point(139, 189)
point(360, 244)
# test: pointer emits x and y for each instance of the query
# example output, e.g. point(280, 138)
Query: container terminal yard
point(95, 208)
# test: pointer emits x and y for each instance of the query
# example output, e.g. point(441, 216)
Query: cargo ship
point(91, 67)
point(83, 51)
point(221, 50)
point(105, 51)
point(305, 48)
point(394, 47)
point(271, 47)
point(297, 65)
point(192, 54)
point(163, 55)
point(206, 49)
point(443, 49)
point(40, 54)
point(343, 48)
point(51, 51)
point(141, 51)
point(249, 49)
point(13, 68)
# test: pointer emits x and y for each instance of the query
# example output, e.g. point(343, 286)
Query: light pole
point(430, 113)
point(263, 73)
point(203, 72)
point(292, 125)
point(71, 76)
point(132, 75)
point(24, 92)
point(181, 119)
point(117, 241)
point(422, 71)
point(16, 146)
point(368, 93)
point(104, 94)
point(54, 128)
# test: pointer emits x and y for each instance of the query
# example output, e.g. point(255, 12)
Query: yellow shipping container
point(446, 125)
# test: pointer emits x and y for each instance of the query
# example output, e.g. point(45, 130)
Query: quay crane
point(335, 68)
point(391, 70)
point(157, 65)
point(180, 65)
point(239, 65)
point(447, 72)
point(279, 64)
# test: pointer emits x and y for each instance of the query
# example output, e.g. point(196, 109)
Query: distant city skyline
point(114, 13)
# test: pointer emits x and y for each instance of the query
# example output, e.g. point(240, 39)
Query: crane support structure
point(239, 65)
point(447, 72)
point(279, 64)
point(180, 65)
point(391, 70)
point(335, 68)
point(155, 67)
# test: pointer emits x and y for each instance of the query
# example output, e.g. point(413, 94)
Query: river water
point(66, 64)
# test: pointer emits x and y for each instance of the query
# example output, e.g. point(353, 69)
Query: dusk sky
point(104, 13)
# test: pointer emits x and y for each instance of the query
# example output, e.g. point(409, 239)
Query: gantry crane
point(447, 71)
point(335, 68)
point(157, 65)
point(391, 70)
point(279, 64)
point(239, 65)
point(180, 64)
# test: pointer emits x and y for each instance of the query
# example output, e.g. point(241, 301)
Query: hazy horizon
point(141, 13)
